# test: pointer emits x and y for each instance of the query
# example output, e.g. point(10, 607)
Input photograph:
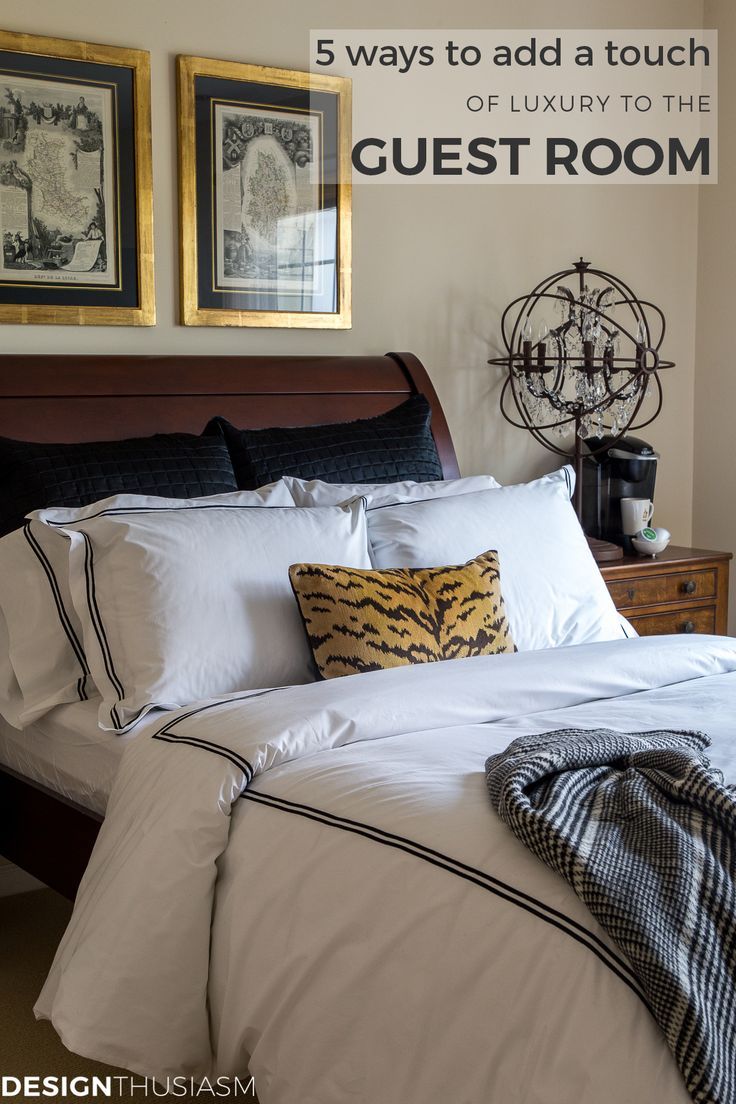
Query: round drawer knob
point(688, 627)
point(689, 587)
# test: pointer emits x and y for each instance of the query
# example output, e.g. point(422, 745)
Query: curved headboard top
point(87, 398)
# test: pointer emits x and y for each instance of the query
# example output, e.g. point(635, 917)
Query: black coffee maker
point(616, 468)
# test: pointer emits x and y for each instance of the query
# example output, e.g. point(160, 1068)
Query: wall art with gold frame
point(265, 196)
point(76, 197)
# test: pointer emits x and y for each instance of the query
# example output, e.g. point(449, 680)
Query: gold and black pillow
point(369, 620)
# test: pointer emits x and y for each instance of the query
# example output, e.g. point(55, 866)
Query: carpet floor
point(31, 925)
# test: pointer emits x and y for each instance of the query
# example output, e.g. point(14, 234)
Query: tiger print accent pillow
point(368, 620)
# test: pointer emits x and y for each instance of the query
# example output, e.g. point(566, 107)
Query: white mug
point(636, 513)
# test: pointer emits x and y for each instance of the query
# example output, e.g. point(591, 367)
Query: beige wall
point(714, 506)
point(434, 265)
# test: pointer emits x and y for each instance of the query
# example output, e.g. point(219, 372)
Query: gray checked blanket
point(645, 833)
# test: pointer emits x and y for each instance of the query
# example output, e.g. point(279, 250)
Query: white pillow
point(44, 632)
point(193, 600)
point(46, 644)
point(553, 591)
point(315, 492)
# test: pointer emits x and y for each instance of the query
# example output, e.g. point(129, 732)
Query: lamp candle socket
point(542, 345)
point(588, 358)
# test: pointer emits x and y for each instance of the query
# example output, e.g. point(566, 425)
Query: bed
point(304, 881)
point(49, 833)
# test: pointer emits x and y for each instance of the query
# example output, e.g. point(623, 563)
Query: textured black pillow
point(175, 465)
point(390, 447)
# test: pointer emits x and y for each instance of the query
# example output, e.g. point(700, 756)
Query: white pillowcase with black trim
point(43, 630)
point(192, 600)
point(315, 492)
point(553, 591)
point(45, 639)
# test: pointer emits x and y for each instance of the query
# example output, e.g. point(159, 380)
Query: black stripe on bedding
point(462, 870)
point(240, 761)
point(60, 609)
point(204, 745)
point(121, 511)
point(133, 721)
point(410, 502)
point(100, 629)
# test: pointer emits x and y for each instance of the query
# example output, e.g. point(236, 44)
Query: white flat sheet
point(67, 751)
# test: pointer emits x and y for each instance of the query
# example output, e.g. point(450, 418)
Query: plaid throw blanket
point(645, 833)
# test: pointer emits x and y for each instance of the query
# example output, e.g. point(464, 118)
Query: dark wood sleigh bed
point(84, 398)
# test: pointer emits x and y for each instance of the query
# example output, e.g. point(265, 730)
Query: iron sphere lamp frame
point(589, 370)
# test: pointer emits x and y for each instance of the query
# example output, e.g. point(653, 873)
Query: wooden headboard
point(86, 398)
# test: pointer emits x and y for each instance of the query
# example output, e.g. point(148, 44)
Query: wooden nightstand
point(682, 590)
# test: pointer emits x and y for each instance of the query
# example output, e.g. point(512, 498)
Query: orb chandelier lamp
point(582, 355)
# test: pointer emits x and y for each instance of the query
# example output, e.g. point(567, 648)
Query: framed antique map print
point(264, 176)
point(76, 206)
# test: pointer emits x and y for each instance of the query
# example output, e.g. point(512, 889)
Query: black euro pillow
point(389, 448)
point(173, 465)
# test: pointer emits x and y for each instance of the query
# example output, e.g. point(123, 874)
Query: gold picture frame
point(89, 163)
point(285, 260)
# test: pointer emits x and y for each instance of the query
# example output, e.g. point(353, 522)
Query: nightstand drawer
point(653, 589)
point(686, 620)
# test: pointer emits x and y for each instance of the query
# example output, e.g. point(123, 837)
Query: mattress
point(67, 752)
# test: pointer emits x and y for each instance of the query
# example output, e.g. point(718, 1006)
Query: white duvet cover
point(360, 928)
